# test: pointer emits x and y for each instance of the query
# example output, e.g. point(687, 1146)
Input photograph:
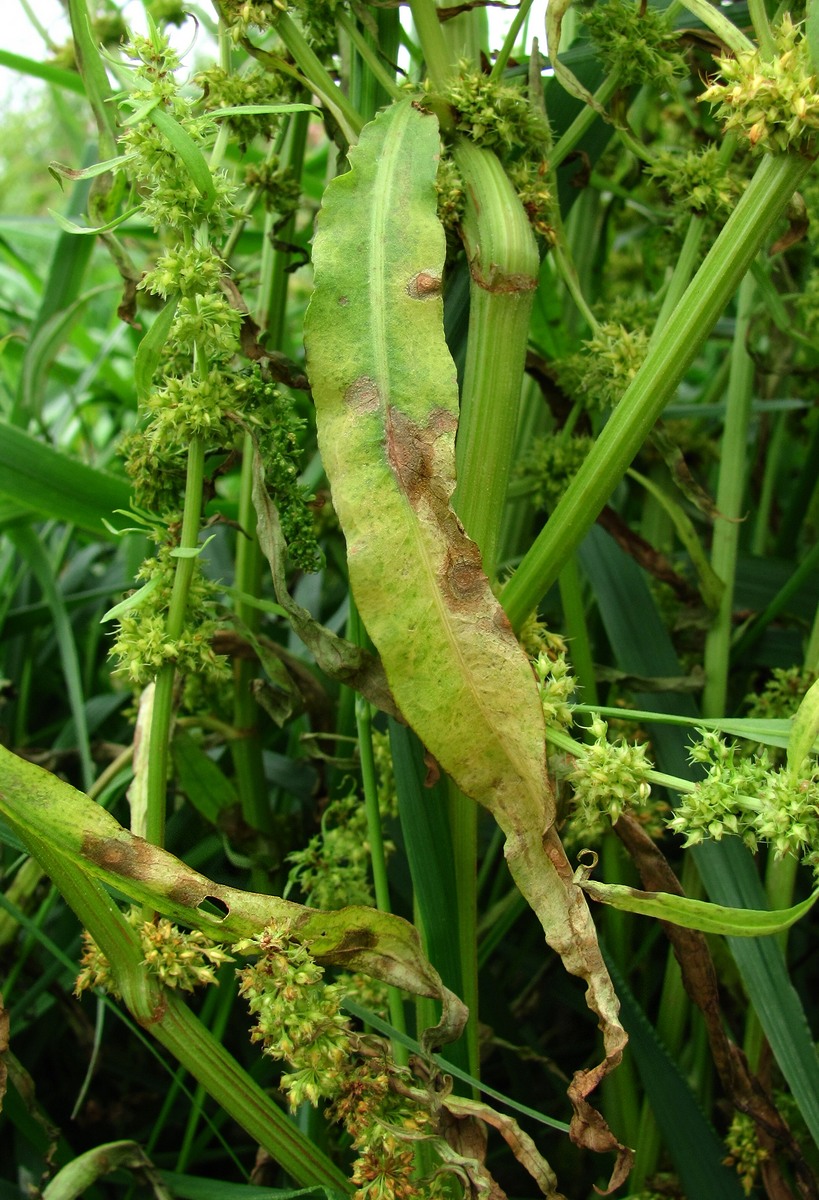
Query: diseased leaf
point(387, 410)
point(47, 813)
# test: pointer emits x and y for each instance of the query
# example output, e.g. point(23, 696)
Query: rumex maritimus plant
point(481, 216)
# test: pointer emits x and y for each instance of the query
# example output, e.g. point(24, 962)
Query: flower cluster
point(745, 1154)
point(695, 181)
point(143, 647)
point(272, 418)
point(599, 373)
point(499, 117)
point(782, 693)
point(299, 1020)
point(173, 194)
point(556, 685)
point(178, 958)
point(748, 798)
point(773, 101)
point(635, 41)
point(333, 869)
point(550, 464)
point(224, 89)
point(608, 778)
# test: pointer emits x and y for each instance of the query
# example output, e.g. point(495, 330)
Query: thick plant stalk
point(503, 265)
point(668, 359)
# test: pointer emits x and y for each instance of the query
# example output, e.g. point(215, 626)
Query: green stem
point(762, 28)
point(163, 695)
point(681, 275)
point(668, 359)
point(577, 630)
point(719, 24)
point(431, 36)
point(315, 74)
point(583, 122)
point(377, 71)
point(503, 262)
point(246, 751)
point(729, 503)
point(510, 40)
point(773, 462)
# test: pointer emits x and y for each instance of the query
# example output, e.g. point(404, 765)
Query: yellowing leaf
point(387, 408)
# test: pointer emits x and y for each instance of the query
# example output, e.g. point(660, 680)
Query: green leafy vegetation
point(410, 604)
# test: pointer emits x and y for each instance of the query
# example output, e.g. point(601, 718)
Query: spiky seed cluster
point(143, 647)
point(609, 778)
point(178, 958)
point(298, 1019)
point(557, 686)
point(695, 181)
point(635, 41)
point(748, 798)
point(550, 464)
point(333, 869)
point(224, 89)
point(745, 1154)
point(773, 101)
point(598, 374)
point(499, 117)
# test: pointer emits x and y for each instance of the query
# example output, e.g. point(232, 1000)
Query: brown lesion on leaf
point(463, 579)
point(426, 285)
point(363, 395)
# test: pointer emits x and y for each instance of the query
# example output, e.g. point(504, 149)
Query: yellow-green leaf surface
point(51, 818)
point(387, 407)
point(696, 914)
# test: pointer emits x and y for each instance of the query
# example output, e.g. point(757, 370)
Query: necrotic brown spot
point(363, 395)
point(426, 285)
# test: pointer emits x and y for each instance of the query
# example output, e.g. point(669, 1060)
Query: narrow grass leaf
point(194, 1187)
point(200, 778)
point(44, 346)
point(696, 1151)
point(56, 76)
point(51, 485)
point(31, 550)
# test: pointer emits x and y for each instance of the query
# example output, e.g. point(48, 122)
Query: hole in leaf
point(214, 907)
